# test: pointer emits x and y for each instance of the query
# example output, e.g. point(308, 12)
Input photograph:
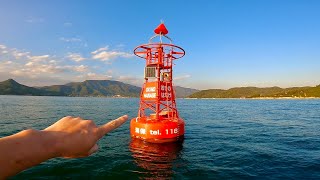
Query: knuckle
point(90, 122)
point(96, 131)
point(66, 117)
point(113, 123)
point(84, 131)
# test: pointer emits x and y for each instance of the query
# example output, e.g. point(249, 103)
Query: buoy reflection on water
point(156, 160)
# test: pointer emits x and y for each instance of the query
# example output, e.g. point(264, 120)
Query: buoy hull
point(157, 131)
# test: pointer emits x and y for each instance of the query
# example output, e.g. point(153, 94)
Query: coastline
point(262, 98)
point(124, 97)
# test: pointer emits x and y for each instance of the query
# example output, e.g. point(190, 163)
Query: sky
point(228, 43)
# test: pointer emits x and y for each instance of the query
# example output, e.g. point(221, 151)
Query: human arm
point(69, 137)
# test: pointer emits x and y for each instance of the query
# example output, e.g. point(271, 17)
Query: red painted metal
point(158, 118)
point(161, 29)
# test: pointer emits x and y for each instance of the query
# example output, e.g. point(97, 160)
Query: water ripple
point(225, 139)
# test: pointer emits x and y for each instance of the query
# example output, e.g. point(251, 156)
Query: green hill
point(108, 88)
point(105, 88)
point(87, 88)
point(254, 92)
point(95, 88)
point(11, 87)
point(182, 92)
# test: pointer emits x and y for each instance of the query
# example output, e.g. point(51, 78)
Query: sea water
point(224, 139)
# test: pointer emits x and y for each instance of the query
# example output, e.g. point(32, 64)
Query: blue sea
point(224, 139)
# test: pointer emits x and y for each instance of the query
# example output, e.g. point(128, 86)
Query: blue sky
point(228, 43)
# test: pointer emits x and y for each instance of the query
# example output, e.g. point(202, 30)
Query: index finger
point(114, 124)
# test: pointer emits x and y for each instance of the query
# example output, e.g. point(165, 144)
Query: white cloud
point(105, 55)
point(5, 66)
point(94, 76)
point(81, 68)
point(100, 49)
point(19, 54)
point(8, 62)
point(70, 39)
point(38, 58)
point(34, 70)
point(45, 69)
point(30, 63)
point(24, 65)
point(3, 49)
point(76, 57)
point(3, 46)
point(17, 72)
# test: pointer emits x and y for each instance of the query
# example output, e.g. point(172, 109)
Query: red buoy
point(158, 119)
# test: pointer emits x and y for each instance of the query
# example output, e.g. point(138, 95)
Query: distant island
point(255, 92)
point(88, 88)
point(108, 88)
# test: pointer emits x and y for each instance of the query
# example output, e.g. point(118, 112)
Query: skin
point(70, 137)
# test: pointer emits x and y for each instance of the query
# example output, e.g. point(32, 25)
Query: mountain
point(95, 88)
point(108, 88)
point(254, 92)
point(11, 87)
point(105, 88)
point(182, 92)
point(86, 88)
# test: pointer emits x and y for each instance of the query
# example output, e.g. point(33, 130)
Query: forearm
point(25, 149)
point(70, 137)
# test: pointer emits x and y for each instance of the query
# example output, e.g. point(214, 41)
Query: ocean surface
point(224, 139)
